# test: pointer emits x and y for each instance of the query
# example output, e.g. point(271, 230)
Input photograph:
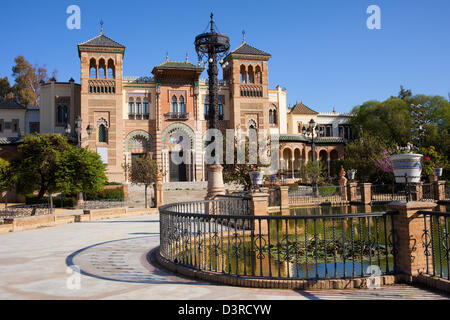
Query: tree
point(391, 120)
point(364, 155)
point(83, 171)
point(49, 164)
point(5, 88)
point(6, 179)
point(144, 171)
point(28, 81)
point(240, 173)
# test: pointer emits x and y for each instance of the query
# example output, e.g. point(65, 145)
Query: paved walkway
point(112, 258)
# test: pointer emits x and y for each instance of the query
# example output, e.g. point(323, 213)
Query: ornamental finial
point(101, 26)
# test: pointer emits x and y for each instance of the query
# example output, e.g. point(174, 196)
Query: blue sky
point(322, 51)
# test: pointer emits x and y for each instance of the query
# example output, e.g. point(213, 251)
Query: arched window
point(102, 69)
point(258, 75)
point(93, 68)
point(146, 109)
point(138, 106)
point(60, 114)
point(273, 117)
point(251, 75)
point(174, 104)
point(182, 106)
point(252, 124)
point(243, 74)
point(220, 110)
point(66, 114)
point(111, 69)
point(131, 107)
point(102, 134)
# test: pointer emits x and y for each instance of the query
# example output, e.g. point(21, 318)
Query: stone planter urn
point(409, 164)
point(256, 178)
point(351, 175)
point(438, 172)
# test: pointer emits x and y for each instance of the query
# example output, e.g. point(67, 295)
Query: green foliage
point(106, 194)
point(58, 202)
point(5, 88)
point(48, 163)
point(391, 120)
point(144, 171)
point(293, 187)
point(360, 155)
point(28, 81)
point(6, 179)
point(314, 171)
point(432, 159)
point(83, 171)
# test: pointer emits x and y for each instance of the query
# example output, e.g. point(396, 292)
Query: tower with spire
point(246, 71)
point(101, 61)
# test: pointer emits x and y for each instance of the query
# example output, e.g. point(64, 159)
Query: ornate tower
point(246, 69)
point(101, 101)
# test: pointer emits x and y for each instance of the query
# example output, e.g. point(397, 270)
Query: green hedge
point(58, 202)
point(108, 194)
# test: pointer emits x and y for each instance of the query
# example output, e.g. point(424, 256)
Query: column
point(259, 203)
point(409, 228)
point(292, 163)
point(366, 193)
point(284, 200)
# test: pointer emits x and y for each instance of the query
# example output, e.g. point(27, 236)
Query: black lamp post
point(311, 131)
point(212, 46)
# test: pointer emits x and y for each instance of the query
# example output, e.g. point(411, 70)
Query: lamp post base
point(215, 181)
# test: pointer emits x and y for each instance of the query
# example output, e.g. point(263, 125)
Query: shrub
point(107, 194)
point(58, 202)
point(293, 187)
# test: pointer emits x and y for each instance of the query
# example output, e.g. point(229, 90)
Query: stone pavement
point(112, 258)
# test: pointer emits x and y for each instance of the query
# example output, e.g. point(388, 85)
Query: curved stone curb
point(251, 282)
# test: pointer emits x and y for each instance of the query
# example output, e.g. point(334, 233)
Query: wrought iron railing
point(388, 192)
point(274, 197)
point(427, 193)
point(324, 194)
point(209, 236)
point(177, 115)
point(18, 211)
point(436, 243)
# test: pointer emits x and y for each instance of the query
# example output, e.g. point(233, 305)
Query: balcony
point(177, 116)
point(132, 116)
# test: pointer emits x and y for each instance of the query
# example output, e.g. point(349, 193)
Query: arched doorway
point(178, 158)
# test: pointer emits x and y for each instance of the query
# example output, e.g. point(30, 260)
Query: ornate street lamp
point(212, 46)
point(312, 131)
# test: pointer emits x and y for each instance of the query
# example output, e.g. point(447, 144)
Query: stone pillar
point(259, 204)
point(351, 188)
point(409, 228)
point(438, 190)
point(284, 200)
point(126, 196)
point(417, 191)
point(215, 181)
point(159, 190)
point(366, 193)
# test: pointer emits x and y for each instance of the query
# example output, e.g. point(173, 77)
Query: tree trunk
point(40, 197)
point(146, 199)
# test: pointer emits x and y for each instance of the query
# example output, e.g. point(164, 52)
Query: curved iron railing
point(436, 243)
point(221, 236)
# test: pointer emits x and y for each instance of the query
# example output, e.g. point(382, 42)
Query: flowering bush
point(384, 163)
point(432, 159)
